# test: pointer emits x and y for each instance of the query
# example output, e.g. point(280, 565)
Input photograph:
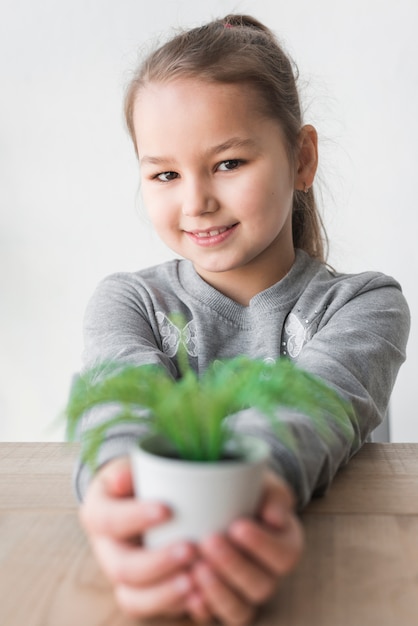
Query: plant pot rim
point(248, 449)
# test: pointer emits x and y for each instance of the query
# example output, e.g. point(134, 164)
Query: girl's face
point(217, 182)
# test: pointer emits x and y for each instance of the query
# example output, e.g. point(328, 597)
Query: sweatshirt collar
point(281, 295)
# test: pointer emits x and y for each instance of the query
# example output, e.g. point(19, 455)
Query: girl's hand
point(242, 569)
point(147, 583)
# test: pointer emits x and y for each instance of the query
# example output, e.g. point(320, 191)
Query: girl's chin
point(208, 269)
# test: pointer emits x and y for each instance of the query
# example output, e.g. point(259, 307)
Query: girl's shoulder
point(363, 291)
point(320, 273)
point(160, 273)
point(152, 280)
point(125, 294)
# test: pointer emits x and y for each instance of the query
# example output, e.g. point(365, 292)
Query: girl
point(227, 169)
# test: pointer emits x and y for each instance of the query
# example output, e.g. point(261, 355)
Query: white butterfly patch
point(296, 334)
point(172, 336)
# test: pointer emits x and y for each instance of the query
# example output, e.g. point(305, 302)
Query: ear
point(307, 158)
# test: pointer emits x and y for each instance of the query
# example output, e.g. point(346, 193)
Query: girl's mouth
point(211, 233)
point(212, 236)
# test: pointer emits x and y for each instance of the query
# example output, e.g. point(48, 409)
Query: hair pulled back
point(239, 49)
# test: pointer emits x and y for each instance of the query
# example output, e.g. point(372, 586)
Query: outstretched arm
point(357, 350)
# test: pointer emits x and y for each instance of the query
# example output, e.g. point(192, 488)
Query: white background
point(70, 211)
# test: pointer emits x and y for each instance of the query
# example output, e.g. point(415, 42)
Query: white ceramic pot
point(204, 497)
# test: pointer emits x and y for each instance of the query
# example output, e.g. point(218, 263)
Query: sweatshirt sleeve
point(358, 349)
point(117, 327)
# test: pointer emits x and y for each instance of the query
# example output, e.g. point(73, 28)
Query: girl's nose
point(198, 199)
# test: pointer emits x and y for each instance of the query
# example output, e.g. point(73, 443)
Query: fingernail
point(204, 573)
point(277, 515)
point(181, 552)
point(211, 542)
point(183, 583)
point(154, 512)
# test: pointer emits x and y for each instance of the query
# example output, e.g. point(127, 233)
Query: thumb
point(278, 503)
point(117, 479)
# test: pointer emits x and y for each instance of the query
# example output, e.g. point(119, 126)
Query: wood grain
point(381, 478)
point(357, 570)
point(37, 475)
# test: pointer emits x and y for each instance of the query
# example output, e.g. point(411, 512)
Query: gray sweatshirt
point(351, 330)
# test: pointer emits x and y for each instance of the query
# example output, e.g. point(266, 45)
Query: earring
point(305, 188)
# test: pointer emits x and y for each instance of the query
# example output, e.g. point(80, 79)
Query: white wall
point(69, 209)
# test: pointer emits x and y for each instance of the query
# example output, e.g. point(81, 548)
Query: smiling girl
point(227, 168)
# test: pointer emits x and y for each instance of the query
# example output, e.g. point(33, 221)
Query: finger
point(134, 566)
point(166, 598)
point(118, 478)
point(103, 512)
point(278, 551)
point(120, 518)
point(113, 479)
point(238, 570)
point(277, 498)
point(197, 608)
point(222, 601)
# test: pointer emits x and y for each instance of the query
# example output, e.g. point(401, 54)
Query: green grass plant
point(192, 412)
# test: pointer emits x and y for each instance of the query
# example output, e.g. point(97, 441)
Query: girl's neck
point(243, 283)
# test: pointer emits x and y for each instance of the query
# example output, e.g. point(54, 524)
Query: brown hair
point(239, 49)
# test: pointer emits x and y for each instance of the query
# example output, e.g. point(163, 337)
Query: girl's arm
point(358, 349)
point(117, 327)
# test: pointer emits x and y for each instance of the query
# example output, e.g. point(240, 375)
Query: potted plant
point(192, 459)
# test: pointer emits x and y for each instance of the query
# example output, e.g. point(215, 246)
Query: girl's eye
point(230, 164)
point(165, 177)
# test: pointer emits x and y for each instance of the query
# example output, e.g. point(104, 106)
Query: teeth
point(212, 233)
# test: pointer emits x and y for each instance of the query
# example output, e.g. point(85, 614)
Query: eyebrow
point(234, 142)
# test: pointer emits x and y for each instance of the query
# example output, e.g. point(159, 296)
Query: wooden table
point(360, 567)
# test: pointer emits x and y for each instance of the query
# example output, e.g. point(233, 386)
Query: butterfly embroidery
point(172, 336)
point(297, 334)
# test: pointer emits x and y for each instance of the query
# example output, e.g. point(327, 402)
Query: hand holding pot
point(233, 573)
point(146, 583)
point(242, 569)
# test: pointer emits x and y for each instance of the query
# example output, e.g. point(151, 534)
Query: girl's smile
point(213, 236)
point(217, 182)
